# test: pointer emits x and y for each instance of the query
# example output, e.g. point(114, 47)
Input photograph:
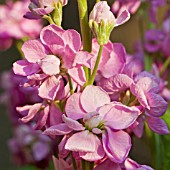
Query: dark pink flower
point(49, 59)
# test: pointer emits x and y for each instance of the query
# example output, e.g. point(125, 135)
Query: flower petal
point(34, 50)
point(82, 141)
point(73, 107)
point(60, 129)
point(116, 145)
point(93, 97)
point(158, 125)
point(158, 105)
point(122, 18)
point(50, 65)
point(32, 112)
point(73, 124)
point(24, 68)
point(49, 88)
point(94, 156)
point(120, 116)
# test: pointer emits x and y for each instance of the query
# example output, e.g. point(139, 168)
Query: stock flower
point(40, 114)
point(102, 21)
point(146, 90)
point(153, 40)
point(30, 147)
point(121, 5)
point(101, 131)
point(14, 26)
point(129, 164)
point(112, 54)
point(39, 8)
point(14, 95)
point(48, 60)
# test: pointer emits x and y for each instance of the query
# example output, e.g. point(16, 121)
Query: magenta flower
point(146, 90)
point(13, 25)
point(99, 118)
point(48, 60)
point(112, 54)
point(129, 164)
point(153, 40)
point(43, 115)
point(30, 147)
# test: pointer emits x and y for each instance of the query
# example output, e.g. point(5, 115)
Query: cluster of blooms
point(88, 102)
point(14, 26)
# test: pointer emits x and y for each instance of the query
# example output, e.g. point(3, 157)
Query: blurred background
point(127, 34)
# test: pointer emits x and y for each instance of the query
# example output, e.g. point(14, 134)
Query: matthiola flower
point(146, 90)
point(14, 95)
point(102, 21)
point(153, 40)
point(48, 61)
point(129, 164)
point(14, 26)
point(39, 8)
point(30, 147)
point(155, 4)
point(112, 54)
point(40, 115)
point(100, 132)
point(121, 5)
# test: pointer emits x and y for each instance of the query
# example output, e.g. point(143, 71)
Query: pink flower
point(48, 60)
point(13, 25)
point(130, 5)
point(99, 117)
point(39, 8)
point(102, 21)
point(45, 115)
point(112, 54)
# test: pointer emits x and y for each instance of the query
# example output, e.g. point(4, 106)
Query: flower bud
point(101, 21)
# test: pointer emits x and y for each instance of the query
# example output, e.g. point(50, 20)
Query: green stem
point(97, 1)
point(165, 65)
point(86, 165)
point(70, 84)
point(85, 30)
point(48, 18)
point(91, 80)
point(74, 162)
point(158, 151)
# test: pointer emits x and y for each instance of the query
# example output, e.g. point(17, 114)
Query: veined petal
point(60, 129)
point(72, 124)
point(120, 117)
point(49, 88)
point(24, 68)
point(98, 154)
point(82, 142)
point(93, 97)
point(116, 145)
point(32, 112)
point(158, 125)
point(50, 65)
point(122, 18)
point(34, 50)
point(158, 105)
point(73, 107)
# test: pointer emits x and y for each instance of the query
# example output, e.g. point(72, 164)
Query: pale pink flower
point(100, 117)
